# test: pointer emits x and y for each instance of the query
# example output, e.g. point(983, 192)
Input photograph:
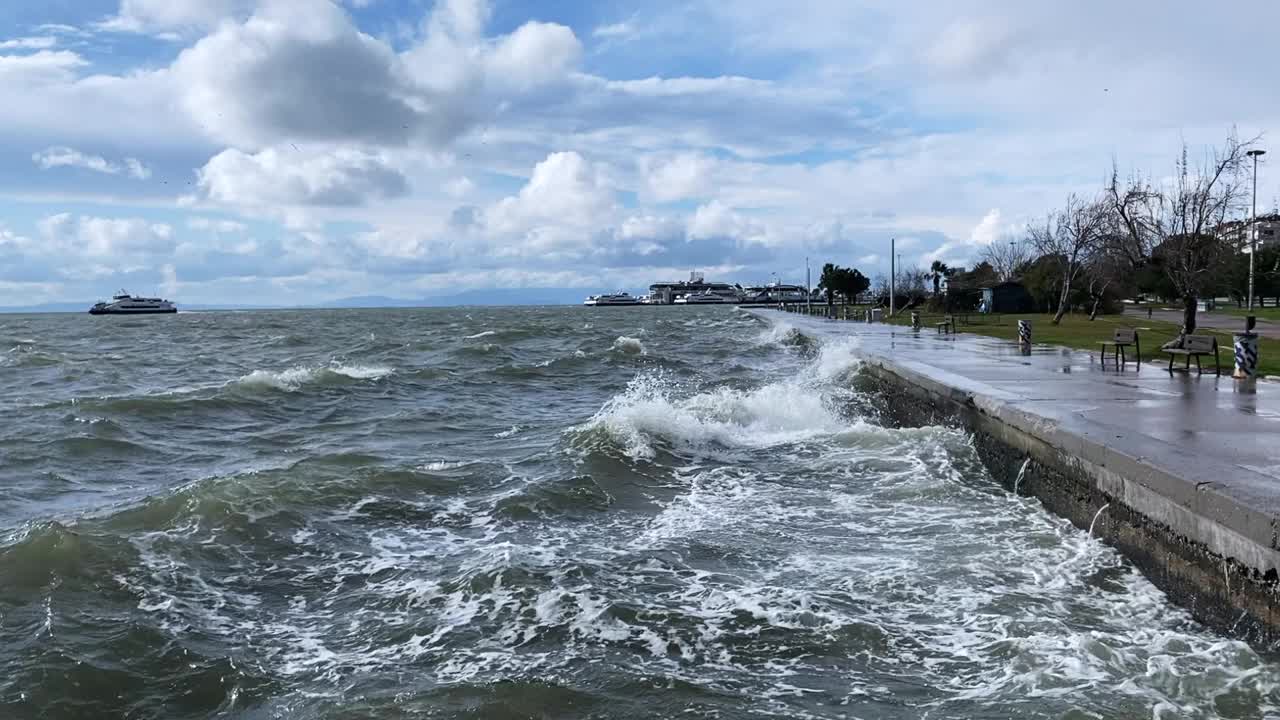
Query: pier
point(1180, 472)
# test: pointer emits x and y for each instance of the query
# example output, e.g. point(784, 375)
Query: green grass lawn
point(1077, 331)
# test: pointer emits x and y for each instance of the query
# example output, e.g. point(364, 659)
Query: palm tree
point(939, 270)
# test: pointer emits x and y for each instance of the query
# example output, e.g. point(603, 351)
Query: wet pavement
point(1211, 444)
point(1221, 322)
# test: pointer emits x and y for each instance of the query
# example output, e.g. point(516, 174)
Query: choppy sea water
point(528, 513)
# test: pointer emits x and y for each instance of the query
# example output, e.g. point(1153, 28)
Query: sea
point(655, 512)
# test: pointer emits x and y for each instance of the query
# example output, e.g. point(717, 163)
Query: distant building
point(1266, 232)
point(1007, 297)
point(666, 293)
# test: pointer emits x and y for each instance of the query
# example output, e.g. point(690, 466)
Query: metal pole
point(893, 271)
point(808, 291)
point(1253, 228)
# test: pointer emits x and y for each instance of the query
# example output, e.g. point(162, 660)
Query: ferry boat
point(122, 303)
point(618, 298)
point(707, 297)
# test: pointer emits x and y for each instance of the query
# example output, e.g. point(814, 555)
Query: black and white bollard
point(1246, 351)
point(1024, 336)
point(915, 321)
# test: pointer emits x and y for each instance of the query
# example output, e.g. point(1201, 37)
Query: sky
point(297, 151)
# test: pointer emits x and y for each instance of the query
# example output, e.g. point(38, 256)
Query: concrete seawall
point(1186, 467)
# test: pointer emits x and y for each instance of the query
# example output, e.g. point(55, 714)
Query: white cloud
point(55, 157)
point(686, 175)
point(59, 29)
point(169, 284)
point(186, 16)
point(987, 230)
point(289, 176)
point(110, 239)
point(218, 226)
point(717, 220)
point(67, 157)
point(459, 187)
point(43, 67)
point(29, 43)
point(565, 199)
point(535, 54)
point(970, 46)
point(137, 169)
point(614, 30)
point(296, 72)
point(956, 252)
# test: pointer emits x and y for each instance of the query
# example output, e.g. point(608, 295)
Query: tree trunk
point(1188, 316)
point(1093, 312)
point(1062, 301)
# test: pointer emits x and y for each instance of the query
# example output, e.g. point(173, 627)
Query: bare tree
point(1107, 268)
point(1179, 221)
point(880, 286)
point(913, 282)
point(1072, 235)
point(1008, 256)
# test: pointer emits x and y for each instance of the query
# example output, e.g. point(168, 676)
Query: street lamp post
point(808, 288)
point(893, 272)
point(1253, 225)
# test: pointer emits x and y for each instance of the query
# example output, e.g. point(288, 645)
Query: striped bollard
point(1024, 336)
point(915, 321)
point(1246, 347)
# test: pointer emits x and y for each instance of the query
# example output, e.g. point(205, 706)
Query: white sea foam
point(628, 345)
point(508, 433)
point(438, 465)
point(486, 333)
point(787, 411)
point(294, 378)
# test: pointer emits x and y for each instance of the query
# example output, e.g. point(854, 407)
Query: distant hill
point(499, 296)
point(48, 308)
point(368, 301)
point(84, 308)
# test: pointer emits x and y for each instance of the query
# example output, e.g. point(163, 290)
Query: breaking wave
point(295, 378)
point(656, 407)
point(628, 345)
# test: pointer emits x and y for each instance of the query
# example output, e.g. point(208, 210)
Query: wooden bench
point(948, 324)
point(1123, 338)
point(1196, 346)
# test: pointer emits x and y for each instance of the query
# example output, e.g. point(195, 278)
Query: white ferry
point(122, 303)
point(618, 298)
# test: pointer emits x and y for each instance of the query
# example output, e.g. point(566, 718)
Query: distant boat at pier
point(618, 298)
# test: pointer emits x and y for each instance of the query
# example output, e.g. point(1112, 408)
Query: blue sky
point(294, 151)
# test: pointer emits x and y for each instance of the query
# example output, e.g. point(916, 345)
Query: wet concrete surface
point(1200, 453)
